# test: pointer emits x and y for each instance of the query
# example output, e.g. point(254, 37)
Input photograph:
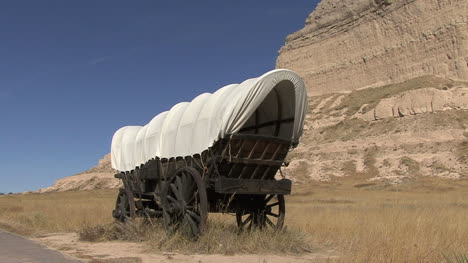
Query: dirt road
point(16, 249)
point(131, 252)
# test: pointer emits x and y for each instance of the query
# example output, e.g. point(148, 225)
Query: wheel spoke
point(178, 182)
point(172, 199)
point(193, 215)
point(189, 186)
point(191, 193)
point(176, 192)
point(260, 221)
point(192, 197)
point(180, 187)
point(271, 205)
point(270, 223)
point(269, 199)
point(243, 213)
point(193, 225)
point(247, 220)
point(172, 220)
point(273, 214)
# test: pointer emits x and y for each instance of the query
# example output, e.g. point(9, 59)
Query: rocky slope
point(392, 133)
point(351, 44)
point(98, 177)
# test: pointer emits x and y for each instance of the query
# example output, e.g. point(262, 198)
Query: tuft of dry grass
point(411, 165)
point(131, 231)
point(220, 238)
point(456, 258)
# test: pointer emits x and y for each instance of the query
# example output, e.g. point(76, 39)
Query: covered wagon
point(221, 152)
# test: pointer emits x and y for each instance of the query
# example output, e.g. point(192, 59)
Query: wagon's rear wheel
point(269, 211)
point(123, 207)
point(185, 204)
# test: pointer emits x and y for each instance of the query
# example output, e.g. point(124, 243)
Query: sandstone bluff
point(352, 44)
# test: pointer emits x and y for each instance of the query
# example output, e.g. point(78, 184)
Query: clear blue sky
point(73, 72)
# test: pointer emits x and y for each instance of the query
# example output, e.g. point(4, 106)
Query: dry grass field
point(421, 221)
point(33, 214)
point(417, 222)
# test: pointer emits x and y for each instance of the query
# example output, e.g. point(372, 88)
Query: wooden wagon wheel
point(185, 204)
point(124, 209)
point(270, 213)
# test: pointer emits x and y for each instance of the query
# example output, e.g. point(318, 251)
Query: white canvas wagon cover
point(274, 103)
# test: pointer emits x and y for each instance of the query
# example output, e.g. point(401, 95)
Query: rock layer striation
point(393, 133)
point(351, 44)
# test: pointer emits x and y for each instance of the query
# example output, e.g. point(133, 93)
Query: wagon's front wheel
point(269, 212)
point(124, 209)
point(185, 204)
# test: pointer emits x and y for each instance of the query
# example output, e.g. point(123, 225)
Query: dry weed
point(219, 238)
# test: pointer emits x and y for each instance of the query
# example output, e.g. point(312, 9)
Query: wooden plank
point(254, 161)
point(252, 186)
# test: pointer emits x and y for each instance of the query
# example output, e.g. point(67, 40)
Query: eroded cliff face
point(395, 133)
point(351, 44)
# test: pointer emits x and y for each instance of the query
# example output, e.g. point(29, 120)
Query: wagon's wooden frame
point(235, 175)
